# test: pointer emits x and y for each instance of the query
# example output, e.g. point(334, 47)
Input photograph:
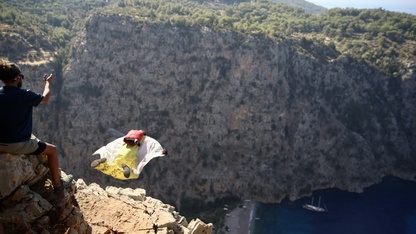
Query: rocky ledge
point(29, 205)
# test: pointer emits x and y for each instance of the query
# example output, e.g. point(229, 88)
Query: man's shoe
point(126, 170)
point(97, 162)
point(65, 182)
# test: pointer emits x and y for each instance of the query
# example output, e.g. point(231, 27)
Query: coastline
point(238, 220)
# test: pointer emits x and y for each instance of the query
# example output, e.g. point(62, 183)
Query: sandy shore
point(238, 220)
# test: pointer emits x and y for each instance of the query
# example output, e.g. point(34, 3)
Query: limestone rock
point(28, 202)
point(29, 205)
point(196, 226)
point(17, 170)
point(130, 211)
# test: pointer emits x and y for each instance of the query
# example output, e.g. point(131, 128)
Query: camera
point(50, 72)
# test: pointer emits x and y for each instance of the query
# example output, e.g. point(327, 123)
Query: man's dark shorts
point(31, 147)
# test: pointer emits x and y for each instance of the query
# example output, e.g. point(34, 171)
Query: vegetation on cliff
point(30, 29)
point(382, 38)
point(378, 37)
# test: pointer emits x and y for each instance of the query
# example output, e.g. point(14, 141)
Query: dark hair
point(8, 70)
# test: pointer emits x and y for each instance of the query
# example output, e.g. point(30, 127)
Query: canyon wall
point(240, 116)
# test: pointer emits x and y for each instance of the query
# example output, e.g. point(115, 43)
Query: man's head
point(10, 73)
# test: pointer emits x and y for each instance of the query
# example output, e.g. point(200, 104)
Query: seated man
point(16, 106)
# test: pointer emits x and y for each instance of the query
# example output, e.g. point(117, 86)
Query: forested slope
point(381, 38)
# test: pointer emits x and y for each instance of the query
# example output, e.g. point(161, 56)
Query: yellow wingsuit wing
point(127, 155)
point(136, 157)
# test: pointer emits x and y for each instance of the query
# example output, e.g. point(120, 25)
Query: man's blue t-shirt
point(16, 106)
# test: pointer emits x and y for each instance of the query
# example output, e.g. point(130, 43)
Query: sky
point(406, 6)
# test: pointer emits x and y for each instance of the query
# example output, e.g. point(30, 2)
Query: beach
point(238, 220)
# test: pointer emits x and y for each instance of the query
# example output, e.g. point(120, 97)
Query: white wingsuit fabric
point(117, 152)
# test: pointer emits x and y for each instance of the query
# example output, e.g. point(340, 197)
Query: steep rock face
point(239, 115)
point(29, 205)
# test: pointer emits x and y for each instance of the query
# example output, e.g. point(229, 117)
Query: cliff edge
point(29, 205)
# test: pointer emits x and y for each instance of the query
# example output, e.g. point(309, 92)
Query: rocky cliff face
point(239, 115)
point(29, 205)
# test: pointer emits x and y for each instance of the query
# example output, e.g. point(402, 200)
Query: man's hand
point(49, 78)
point(47, 90)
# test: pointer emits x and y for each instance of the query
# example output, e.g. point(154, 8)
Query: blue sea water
point(386, 208)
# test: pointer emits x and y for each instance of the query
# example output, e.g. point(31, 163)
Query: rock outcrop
point(28, 202)
point(127, 210)
point(29, 205)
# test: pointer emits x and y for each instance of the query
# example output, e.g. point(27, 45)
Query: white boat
point(318, 208)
